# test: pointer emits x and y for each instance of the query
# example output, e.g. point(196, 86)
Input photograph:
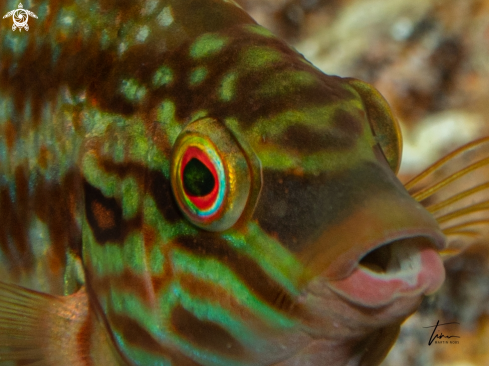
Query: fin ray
point(38, 329)
point(29, 322)
point(456, 191)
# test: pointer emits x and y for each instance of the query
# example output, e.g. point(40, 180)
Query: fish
point(178, 186)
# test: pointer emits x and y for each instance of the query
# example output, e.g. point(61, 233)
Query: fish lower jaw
point(409, 271)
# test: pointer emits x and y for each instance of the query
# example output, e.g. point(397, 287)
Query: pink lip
point(423, 274)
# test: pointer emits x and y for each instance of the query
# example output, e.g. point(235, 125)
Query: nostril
point(396, 255)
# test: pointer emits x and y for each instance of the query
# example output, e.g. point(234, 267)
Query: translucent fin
point(456, 191)
point(41, 330)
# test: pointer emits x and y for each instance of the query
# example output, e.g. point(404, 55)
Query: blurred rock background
point(430, 60)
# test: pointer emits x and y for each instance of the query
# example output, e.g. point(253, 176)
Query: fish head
point(257, 223)
point(368, 251)
point(330, 195)
point(306, 210)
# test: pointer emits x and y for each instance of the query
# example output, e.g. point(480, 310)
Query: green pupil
point(197, 179)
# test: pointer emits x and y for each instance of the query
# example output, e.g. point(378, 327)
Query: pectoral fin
point(45, 330)
point(456, 191)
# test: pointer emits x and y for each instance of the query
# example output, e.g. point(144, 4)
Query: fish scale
point(102, 105)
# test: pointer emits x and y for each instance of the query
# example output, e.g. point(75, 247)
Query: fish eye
point(210, 175)
point(202, 179)
point(198, 179)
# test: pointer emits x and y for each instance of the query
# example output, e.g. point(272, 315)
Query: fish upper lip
point(419, 271)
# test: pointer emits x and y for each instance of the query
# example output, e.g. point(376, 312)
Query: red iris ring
point(202, 203)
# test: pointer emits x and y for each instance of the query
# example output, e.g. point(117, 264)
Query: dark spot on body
point(104, 215)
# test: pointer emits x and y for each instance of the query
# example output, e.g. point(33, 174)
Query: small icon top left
point(20, 16)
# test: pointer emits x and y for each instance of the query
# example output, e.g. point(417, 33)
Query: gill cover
point(210, 176)
point(384, 126)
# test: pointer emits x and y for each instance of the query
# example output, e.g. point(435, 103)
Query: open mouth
point(395, 256)
point(407, 266)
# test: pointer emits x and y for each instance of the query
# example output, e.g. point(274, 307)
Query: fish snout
point(387, 249)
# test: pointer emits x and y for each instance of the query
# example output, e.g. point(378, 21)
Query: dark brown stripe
point(137, 336)
point(14, 218)
point(83, 65)
point(248, 103)
point(342, 135)
point(210, 244)
point(10, 134)
point(205, 334)
point(134, 334)
point(126, 282)
point(56, 204)
point(13, 237)
point(150, 181)
point(201, 289)
point(160, 189)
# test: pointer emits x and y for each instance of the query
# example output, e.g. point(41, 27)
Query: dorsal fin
point(456, 191)
point(44, 330)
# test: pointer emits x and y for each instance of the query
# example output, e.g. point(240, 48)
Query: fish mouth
point(406, 266)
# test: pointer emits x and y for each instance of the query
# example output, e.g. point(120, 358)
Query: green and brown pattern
point(92, 101)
